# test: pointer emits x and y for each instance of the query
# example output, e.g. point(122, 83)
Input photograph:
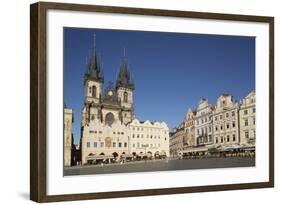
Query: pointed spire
point(94, 67)
point(124, 76)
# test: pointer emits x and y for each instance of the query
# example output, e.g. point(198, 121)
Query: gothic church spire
point(93, 69)
point(124, 77)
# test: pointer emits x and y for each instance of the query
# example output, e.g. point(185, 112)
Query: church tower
point(124, 89)
point(93, 80)
point(93, 84)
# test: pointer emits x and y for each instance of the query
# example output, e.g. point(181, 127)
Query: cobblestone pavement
point(161, 165)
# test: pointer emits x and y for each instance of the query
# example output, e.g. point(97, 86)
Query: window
point(102, 144)
point(120, 144)
point(216, 128)
point(88, 144)
point(217, 140)
point(94, 91)
point(138, 136)
point(92, 117)
point(245, 112)
point(138, 144)
point(221, 139)
point(109, 119)
point(125, 144)
point(216, 118)
point(114, 144)
point(247, 134)
point(227, 115)
point(254, 110)
point(233, 113)
point(227, 126)
point(125, 97)
point(246, 123)
point(220, 116)
point(227, 138)
point(221, 127)
point(233, 124)
point(233, 137)
point(254, 120)
point(95, 144)
point(133, 136)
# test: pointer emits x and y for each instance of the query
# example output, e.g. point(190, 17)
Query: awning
point(96, 157)
point(199, 149)
point(127, 155)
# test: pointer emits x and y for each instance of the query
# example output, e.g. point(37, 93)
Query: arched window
point(94, 91)
point(109, 119)
point(125, 97)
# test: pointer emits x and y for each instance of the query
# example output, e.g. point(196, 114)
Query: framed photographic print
point(134, 102)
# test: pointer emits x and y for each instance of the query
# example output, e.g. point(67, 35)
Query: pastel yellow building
point(177, 140)
point(189, 139)
point(183, 136)
point(225, 121)
point(247, 119)
point(68, 138)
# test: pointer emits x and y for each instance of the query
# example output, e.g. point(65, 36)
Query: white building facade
point(204, 123)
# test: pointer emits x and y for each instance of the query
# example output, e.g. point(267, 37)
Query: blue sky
point(171, 71)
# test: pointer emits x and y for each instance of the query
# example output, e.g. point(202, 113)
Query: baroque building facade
point(177, 140)
point(183, 136)
point(68, 136)
point(189, 140)
point(225, 118)
point(108, 123)
point(204, 123)
point(223, 127)
point(247, 121)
